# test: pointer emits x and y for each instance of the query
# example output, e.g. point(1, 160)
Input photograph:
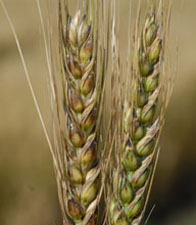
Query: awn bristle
point(140, 132)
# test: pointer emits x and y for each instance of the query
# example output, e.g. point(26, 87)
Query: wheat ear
point(82, 90)
point(140, 132)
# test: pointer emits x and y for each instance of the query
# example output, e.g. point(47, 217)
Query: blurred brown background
point(27, 183)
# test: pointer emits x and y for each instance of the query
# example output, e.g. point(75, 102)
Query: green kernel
point(136, 209)
point(75, 69)
point(146, 150)
point(147, 117)
point(76, 138)
point(89, 157)
point(139, 133)
point(86, 52)
point(145, 66)
point(89, 121)
point(126, 193)
point(151, 84)
point(141, 99)
point(88, 84)
point(76, 103)
point(89, 194)
point(155, 51)
point(130, 161)
point(75, 175)
point(142, 179)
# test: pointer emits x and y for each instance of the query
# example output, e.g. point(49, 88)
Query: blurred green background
point(27, 182)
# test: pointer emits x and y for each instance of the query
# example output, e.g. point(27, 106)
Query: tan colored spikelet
point(141, 129)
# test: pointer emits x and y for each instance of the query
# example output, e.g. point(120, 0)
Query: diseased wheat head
point(140, 131)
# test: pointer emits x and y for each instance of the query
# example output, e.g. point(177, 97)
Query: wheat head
point(141, 126)
point(82, 90)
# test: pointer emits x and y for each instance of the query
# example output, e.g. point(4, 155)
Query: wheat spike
point(82, 87)
point(140, 132)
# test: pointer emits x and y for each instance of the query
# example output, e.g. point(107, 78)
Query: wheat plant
point(84, 154)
